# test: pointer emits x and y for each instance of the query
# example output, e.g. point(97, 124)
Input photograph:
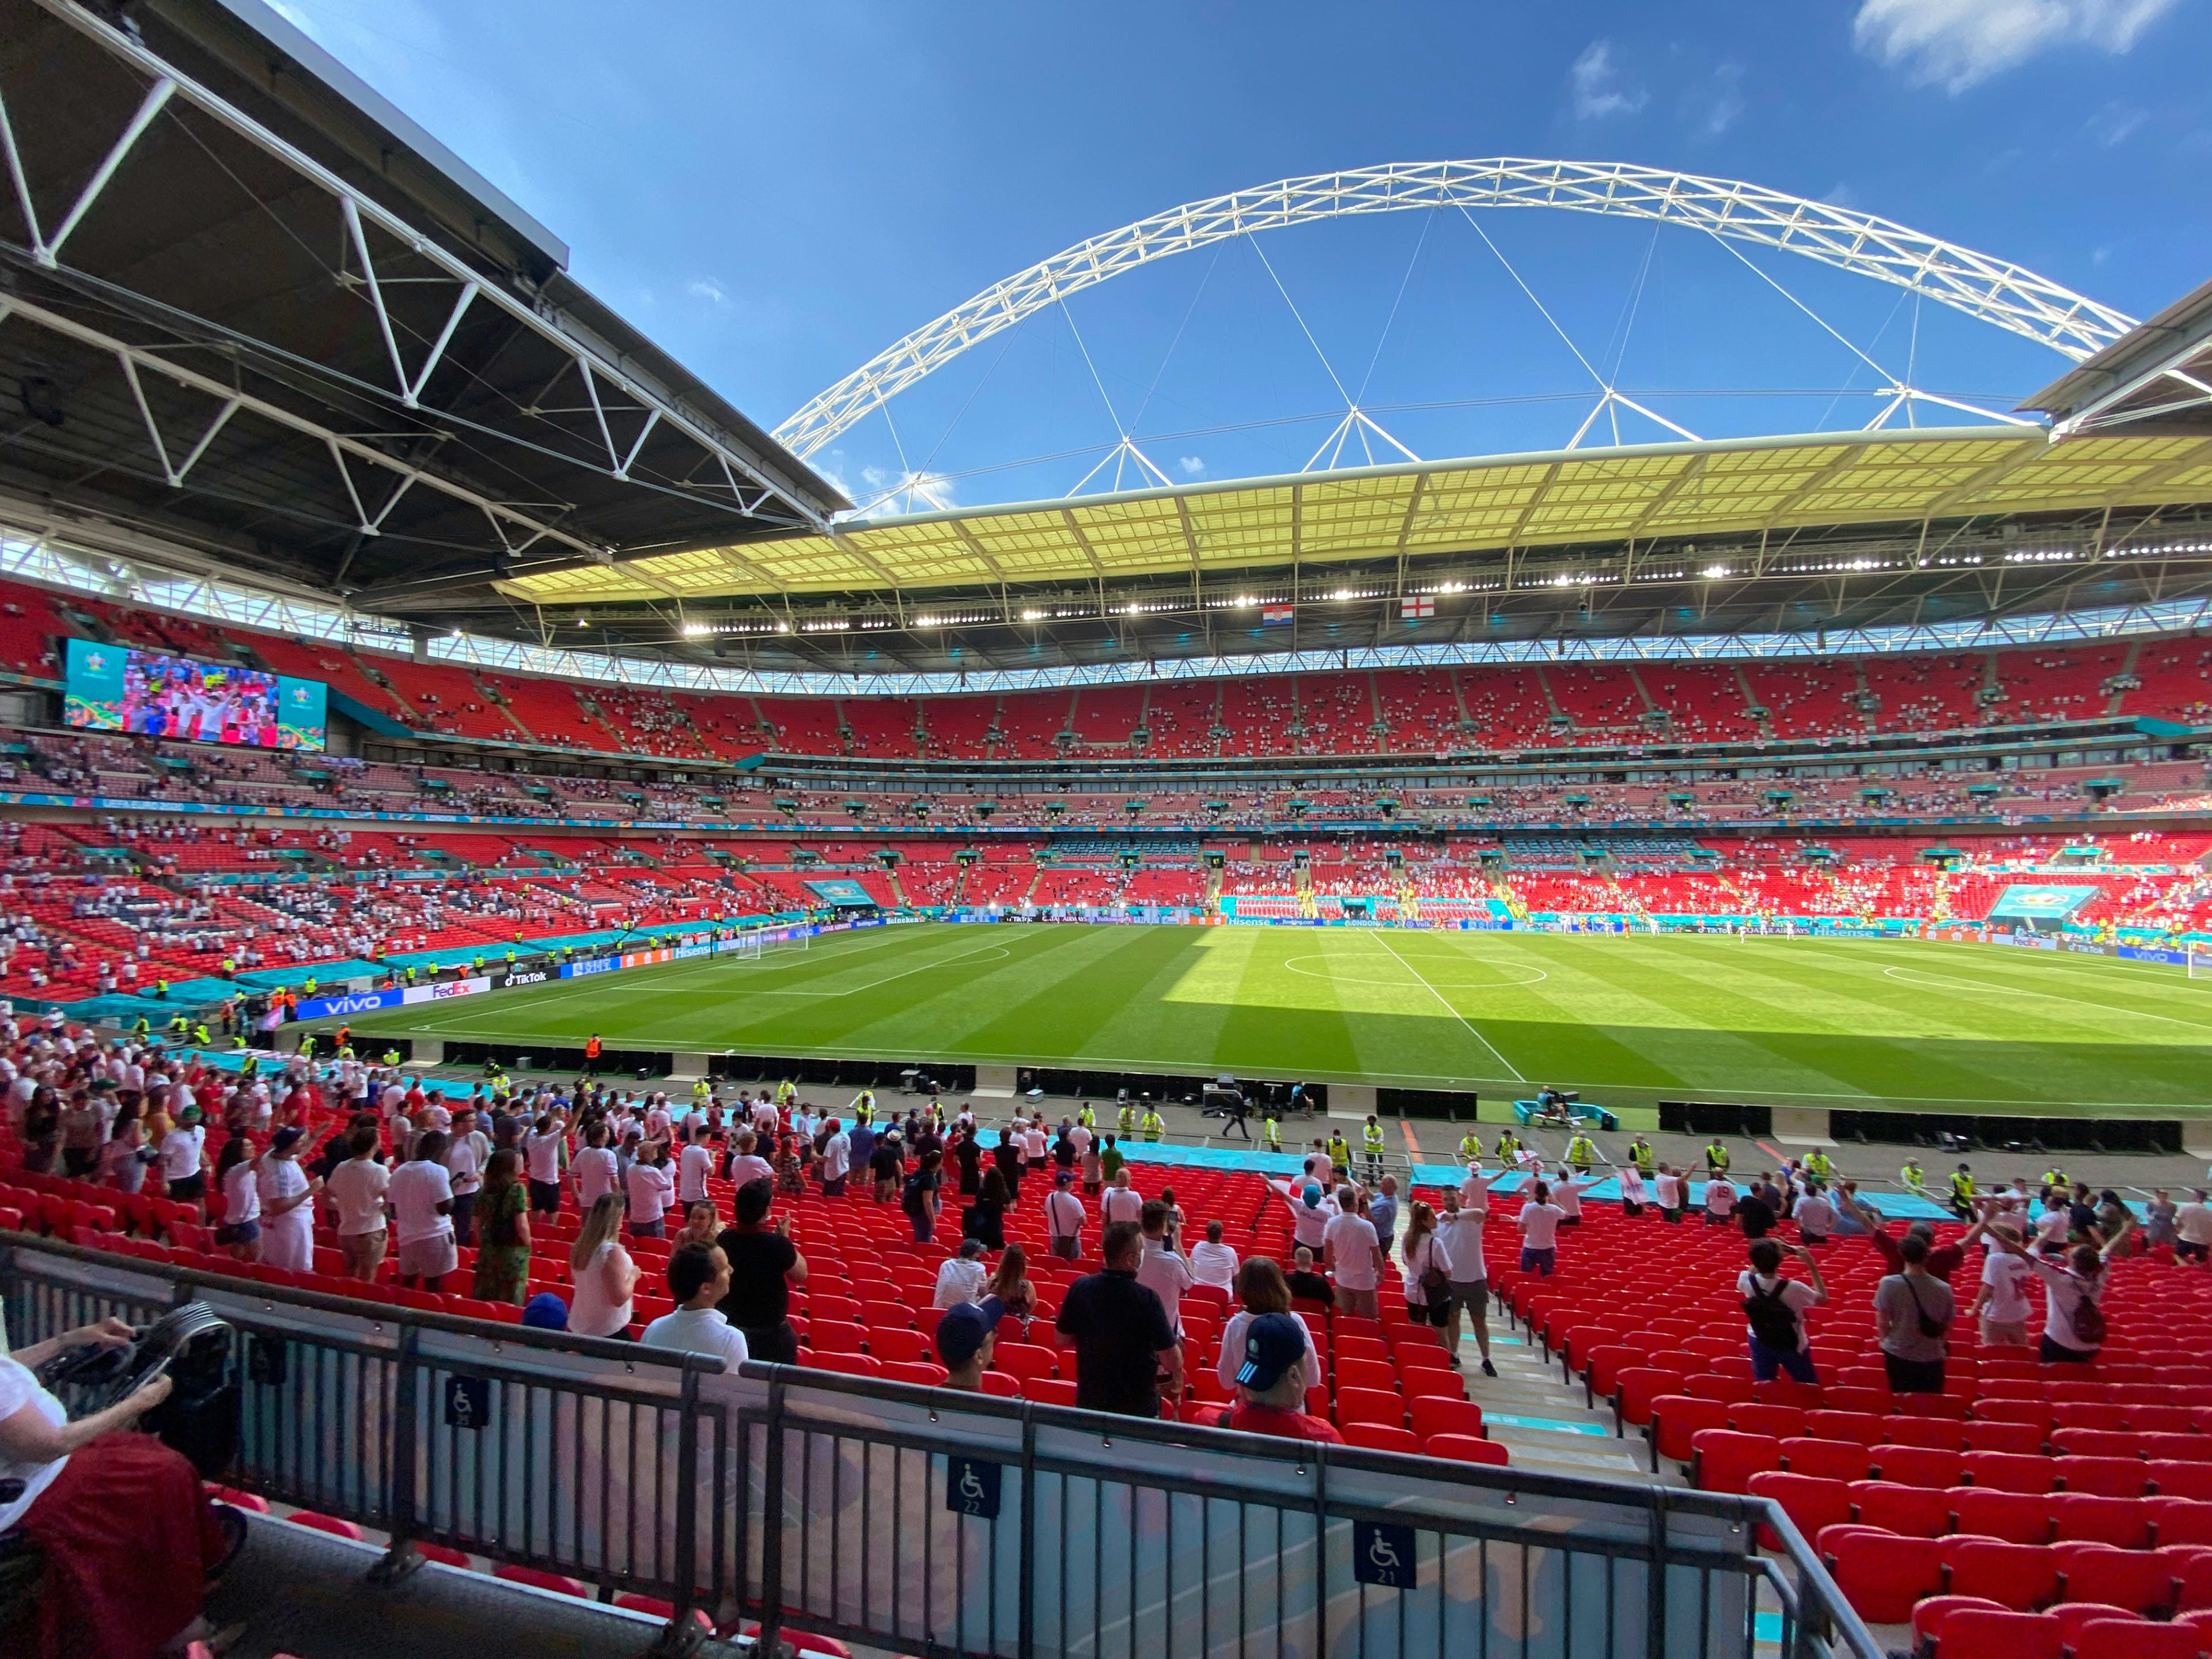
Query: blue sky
point(775, 193)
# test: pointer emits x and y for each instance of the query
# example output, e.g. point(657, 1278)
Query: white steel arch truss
point(1992, 291)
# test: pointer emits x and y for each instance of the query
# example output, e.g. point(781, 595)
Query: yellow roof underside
point(1579, 497)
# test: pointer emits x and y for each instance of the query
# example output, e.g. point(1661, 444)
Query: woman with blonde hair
point(1428, 1269)
point(604, 1275)
point(1261, 1289)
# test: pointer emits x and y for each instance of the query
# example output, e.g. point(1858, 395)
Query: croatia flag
point(1275, 616)
point(1413, 610)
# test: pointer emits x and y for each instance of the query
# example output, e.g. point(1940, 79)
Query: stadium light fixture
point(1714, 572)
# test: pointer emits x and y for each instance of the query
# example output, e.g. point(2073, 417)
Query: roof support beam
point(157, 97)
point(167, 82)
point(137, 358)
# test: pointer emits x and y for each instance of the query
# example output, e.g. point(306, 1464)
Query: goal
point(2200, 961)
point(752, 947)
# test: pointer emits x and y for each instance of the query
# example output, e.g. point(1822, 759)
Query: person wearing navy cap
point(966, 1336)
point(1271, 1383)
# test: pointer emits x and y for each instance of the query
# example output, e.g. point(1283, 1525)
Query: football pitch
point(1815, 1022)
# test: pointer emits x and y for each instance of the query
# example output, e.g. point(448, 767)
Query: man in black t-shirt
point(764, 1264)
point(1123, 1342)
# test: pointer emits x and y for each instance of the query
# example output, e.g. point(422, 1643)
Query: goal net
point(2200, 961)
point(752, 947)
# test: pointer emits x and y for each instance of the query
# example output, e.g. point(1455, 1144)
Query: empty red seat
point(2180, 1521)
point(2095, 1442)
point(2011, 1471)
point(1464, 1449)
point(1724, 1461)
point(1976, 1633)
point(2132, 1639)
point(2140, 1580)
point(1811, 1503)
point(1434, 1415)
point(1940, 1433)
point(1832, 1459)
point(1932, 1612)
point(2014, 1516)
point(2177, 1448)
point(2023, 1577)
point(1635, 1390)
point(2025, 1439)
point(2083, 1518)
point(1024, 1360)
point(925, 1373)
point(1365, 1374)
point(1780, 1422)
point(1915, 1511)
point(1370, 1405)
point(1863, 1427)
point(2107, 1477)
point(1675, 1417)
point(1920, 1466)
point(1881, 1575)
point(2178, 1480)
point(894, 1346)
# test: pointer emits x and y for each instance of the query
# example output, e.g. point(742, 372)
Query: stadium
point(451, 748)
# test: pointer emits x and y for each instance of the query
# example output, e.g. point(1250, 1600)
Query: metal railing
point(930, 1521)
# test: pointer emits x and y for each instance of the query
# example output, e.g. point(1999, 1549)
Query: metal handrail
point(731, 1465)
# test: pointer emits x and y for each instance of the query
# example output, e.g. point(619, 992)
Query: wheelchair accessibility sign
point(971, 1487)
point(1383, 1555)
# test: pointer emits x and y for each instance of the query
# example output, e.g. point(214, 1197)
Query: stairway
point(1540, 1420)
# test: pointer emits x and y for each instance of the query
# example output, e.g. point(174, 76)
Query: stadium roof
point(251, 311)
point(2157, 378)
point(1764, 488)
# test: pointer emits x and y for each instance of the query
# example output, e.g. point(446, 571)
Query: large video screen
point(113, 688)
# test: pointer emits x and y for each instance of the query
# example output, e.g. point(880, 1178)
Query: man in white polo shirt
point(1352, 1255)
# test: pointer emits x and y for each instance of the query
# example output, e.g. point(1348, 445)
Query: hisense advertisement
point(154, 694)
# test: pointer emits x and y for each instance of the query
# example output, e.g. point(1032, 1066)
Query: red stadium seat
point(2107, 1477)
point(1976, 1633)
point(1831, 1460)
point(1881, 1575)
point(1434, 1416)
point(1370, 1405)
point(2023, 1438)
point(2141, 1580)
point(1932, 1612)
point(2023, 1577)
point(2016, 1517)
point(1938, 1434)
point(1724, 1461)
point(1811, 1503)
point(1464, 1449)
point(1915, 1511)
point(1919, 1466)
point(2081, 1517)
point(2180, 1521)
point(537, 1578)
point(329, 1524)
point(2178, 1480)
point(1379, 1437)
point(2129, 1638)
point(1675, 1417)
point(1780, 1422)
point(2011, 1472)
point(1861, 1427)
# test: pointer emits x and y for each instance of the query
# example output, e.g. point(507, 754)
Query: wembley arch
point(1992, 291)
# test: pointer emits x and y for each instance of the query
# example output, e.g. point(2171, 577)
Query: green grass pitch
point(1836, 1023)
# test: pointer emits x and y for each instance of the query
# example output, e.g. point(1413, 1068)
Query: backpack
point(910, 1195)
point(1773, 1322)
point(2088, 1320)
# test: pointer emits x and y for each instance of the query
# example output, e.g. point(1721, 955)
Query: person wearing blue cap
point(966, 1337)
point(546, 1311)
point(1271, 1383)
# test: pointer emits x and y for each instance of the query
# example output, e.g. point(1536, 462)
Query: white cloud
point(1595, 85)
point(706, 288)
point(1191, 465)
point(1724, 105)
point(1958, 43)
point(2116, 124)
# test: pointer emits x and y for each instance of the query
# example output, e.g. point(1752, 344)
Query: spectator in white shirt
point(2192, 1229)
point(698, 1278)
point(356, 1189)
point(962, 1278)
point(1121, 1201)
point(1814, 1215)
point(1064, 1218)
point(1720, 1200)
point(1539, 1232)
point(1166, 1274)
point(836, 1160)
point(2002, 1300)
point(422, 1194)
point(542, 1149)
point(693, 1166)
point(1352, 1255)
point(745, 1168)
point(1212, 1262)
point(1567, 1193)
point(1461, 1230)
point(652, 1191)
point(597, 1170)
